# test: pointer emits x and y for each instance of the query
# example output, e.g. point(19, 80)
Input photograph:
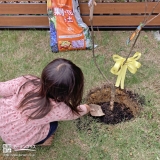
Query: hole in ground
point(127, 105)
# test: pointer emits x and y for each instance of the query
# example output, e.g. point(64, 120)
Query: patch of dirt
point(127, 104)
point(126, 107)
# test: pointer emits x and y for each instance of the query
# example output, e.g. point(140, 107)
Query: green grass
point(27, 52)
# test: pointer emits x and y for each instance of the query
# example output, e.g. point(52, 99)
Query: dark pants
point(53, 127)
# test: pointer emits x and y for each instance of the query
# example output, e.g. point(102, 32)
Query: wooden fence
point(33, 14)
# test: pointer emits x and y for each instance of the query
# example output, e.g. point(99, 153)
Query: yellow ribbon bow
point(120, 67)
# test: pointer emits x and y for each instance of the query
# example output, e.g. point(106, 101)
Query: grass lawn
point(28, 51)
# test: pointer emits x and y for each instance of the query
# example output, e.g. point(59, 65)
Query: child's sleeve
point(10, 87)
point(70, 115)
point(62, 112)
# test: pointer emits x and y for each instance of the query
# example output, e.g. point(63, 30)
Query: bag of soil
point(67, 29)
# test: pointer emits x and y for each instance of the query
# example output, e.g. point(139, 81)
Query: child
point(30, 107)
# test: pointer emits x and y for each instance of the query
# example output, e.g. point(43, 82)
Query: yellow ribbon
point(120, 69)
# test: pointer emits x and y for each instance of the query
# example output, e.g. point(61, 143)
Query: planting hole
point(127, 105)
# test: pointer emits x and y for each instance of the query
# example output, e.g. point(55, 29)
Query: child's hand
point(89, 109)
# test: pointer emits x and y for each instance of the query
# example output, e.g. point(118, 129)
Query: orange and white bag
point(67, 29)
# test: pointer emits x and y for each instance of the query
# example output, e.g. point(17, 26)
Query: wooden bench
point(33, 14)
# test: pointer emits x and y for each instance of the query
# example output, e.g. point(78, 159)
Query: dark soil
point(120, 113)
point(127, 105)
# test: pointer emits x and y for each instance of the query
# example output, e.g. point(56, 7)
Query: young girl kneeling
point(30, 107)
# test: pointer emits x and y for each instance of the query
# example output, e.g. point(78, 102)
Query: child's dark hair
point(62, 81)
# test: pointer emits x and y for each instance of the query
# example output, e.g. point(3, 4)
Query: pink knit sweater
point(14, 127)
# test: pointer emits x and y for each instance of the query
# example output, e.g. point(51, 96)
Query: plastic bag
point(67, 30)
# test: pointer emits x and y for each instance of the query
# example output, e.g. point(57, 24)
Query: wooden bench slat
point(109, 8)
point(23, 8)
point(98, 21)
point(101, 8)
point(24, 21)
point(119, 20)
